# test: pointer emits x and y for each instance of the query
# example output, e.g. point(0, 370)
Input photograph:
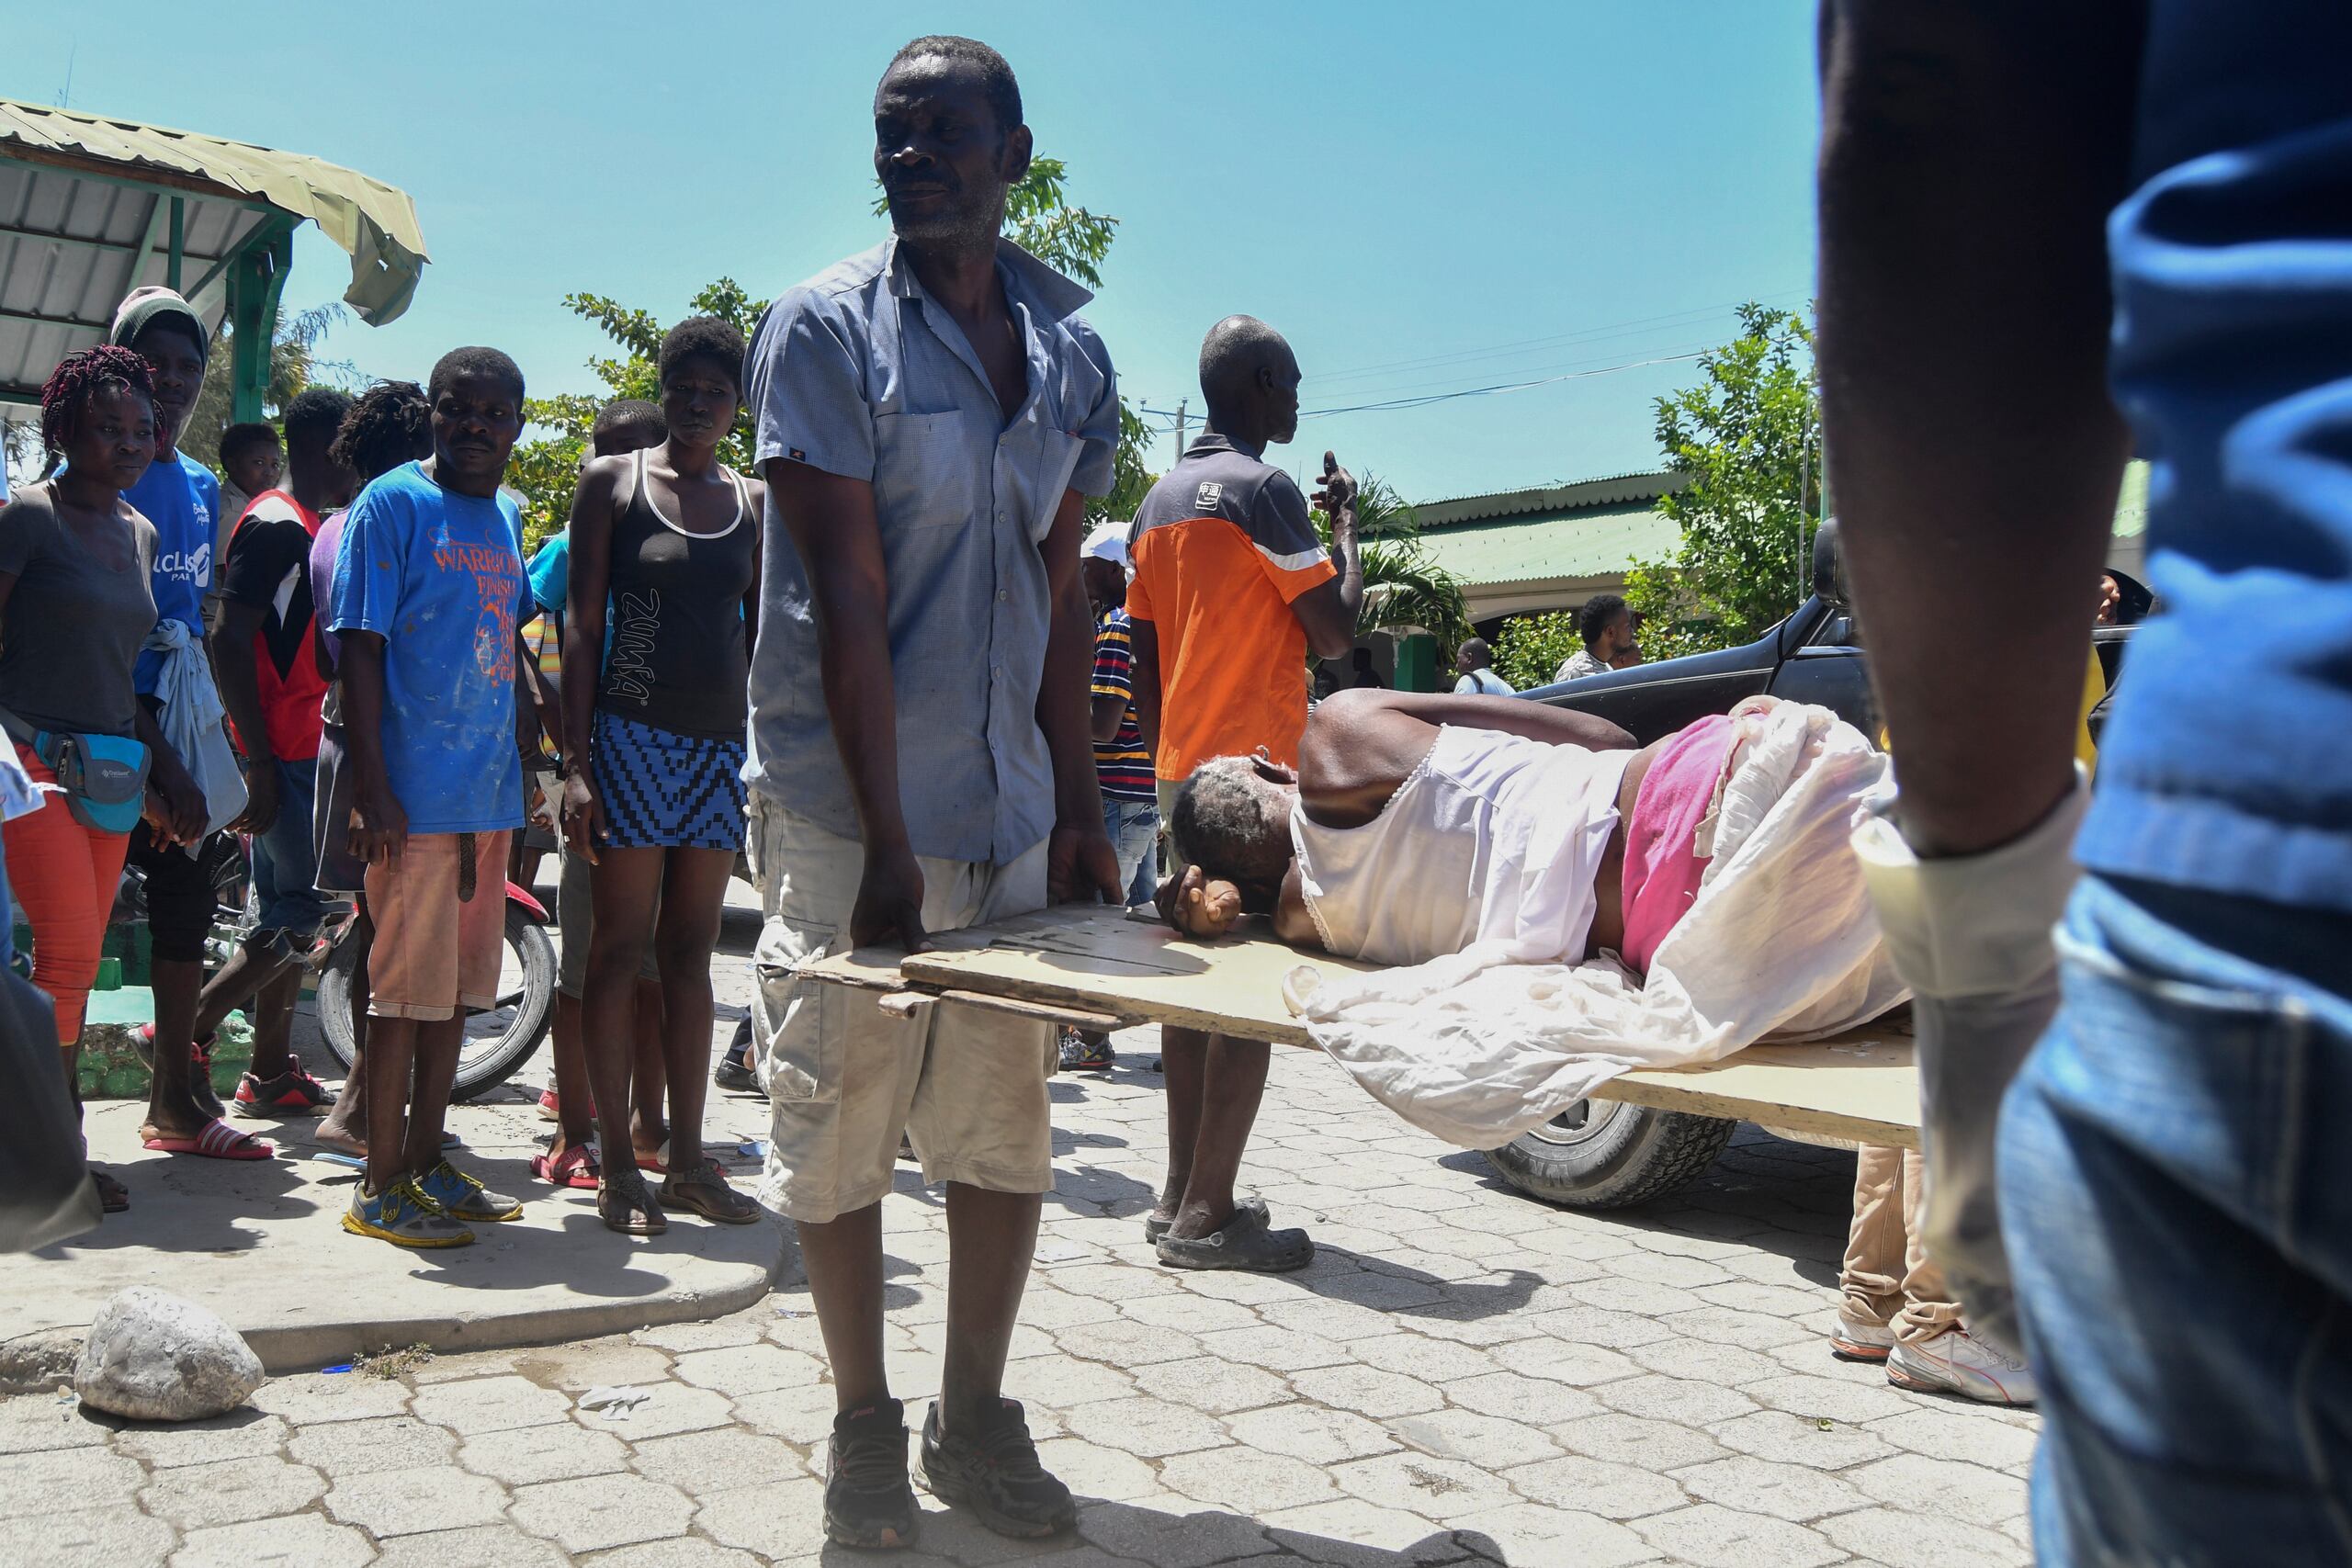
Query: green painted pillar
point(1417, 663)
point(256, 279)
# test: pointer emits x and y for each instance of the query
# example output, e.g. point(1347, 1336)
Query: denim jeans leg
point(2177, 1199)
point(285, 858)
point(1133, 830)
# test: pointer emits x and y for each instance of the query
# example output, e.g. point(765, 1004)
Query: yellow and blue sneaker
point(462, 1198)
point(403, 1216)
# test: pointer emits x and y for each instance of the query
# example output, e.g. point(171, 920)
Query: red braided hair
point(77, 376)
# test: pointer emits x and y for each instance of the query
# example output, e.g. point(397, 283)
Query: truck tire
point(1606, 1155)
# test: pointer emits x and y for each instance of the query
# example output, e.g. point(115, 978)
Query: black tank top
point(676, 658)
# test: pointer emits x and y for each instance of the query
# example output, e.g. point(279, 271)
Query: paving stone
point(1800, 1439)
point(1944, 1434)
point(381, 1442)
point(803, 1416)
point(1595, 1325)
point(100, 1538)
point(741, 1328)
point(1761, 1486)
point(1632, 1439)
point(1679, 1272)
point(1311, 1433)
point(1942, 1488)
point(1853, 1403)
point(1276, 1350)
point(1422, 1483)
point(597, 1363)
point(674, 1408)
point(1188, 1314)
point(530, 1454)
point(1333, 1319)
point(1898, 1539)
point(782, 1521)
point(1091, 1472)
point(1148, 1429)
point(43, 1423)
point(314, 1398)
point(1367, 1391)
point(303, 1540)
point(1218, 1387)
point(1062, 1382)
point(749, 1368)
point(702, 1463)
point(67, 1481)
point(1488, 1441)
point(1706, 1360)
point(411, 1502)
point(1684, 1399)
point(1709, 1536)
point(1235, 1479)
point(1565, 1361)
point(1744, 1295)
point(1355, 1534)
point(682, 1552)
point(1747, 1330)
point(1612, 1293)
point(490, 1405)
point(240, 1434)
point(1534, 1401)
point(1416, 1354)
point(602, 1510)
point(1613, 1491)
point(1171, 1541)
point(476, 1546)
point(1526, 1536)
point(231, 1492)
point(1120, 1343)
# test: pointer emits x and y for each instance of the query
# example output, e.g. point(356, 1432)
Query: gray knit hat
point(142, 308)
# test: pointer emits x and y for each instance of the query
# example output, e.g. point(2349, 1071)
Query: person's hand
point(890, 902)
point(1080, 867)
point(583, 815)
point(175, 806)
point(1335, 492)
point(261, 800)
point(379, 826)
point(1197, 904)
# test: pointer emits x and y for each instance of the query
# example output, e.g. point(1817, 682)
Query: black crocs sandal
point(1243, 1242)
point(1154, 1227)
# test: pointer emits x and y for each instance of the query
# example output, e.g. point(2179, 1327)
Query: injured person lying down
point(1552, 904)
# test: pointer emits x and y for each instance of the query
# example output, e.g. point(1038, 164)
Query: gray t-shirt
point(71, 630)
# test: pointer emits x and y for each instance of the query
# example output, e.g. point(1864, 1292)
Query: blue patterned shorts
point(664, 790)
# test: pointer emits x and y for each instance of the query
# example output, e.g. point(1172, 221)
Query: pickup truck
point(1605, 1154)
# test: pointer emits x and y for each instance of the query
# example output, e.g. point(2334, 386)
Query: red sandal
point(215, 1140)
point(576, 1167)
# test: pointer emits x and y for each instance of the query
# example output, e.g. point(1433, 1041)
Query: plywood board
point(1859, 1086)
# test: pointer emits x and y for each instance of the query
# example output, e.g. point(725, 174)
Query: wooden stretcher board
point(1857, 1088)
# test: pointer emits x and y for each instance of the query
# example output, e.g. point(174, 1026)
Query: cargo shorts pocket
point(799, 1021)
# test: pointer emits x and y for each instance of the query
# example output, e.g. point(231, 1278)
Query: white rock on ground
point(155, 1357)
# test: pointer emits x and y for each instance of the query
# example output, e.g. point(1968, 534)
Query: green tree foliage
point(1530, 650)
point(1403, 584)
point(294, 363)
point(1747, 513)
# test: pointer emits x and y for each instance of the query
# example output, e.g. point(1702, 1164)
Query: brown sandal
point(704, 1190)
point(639, 1214)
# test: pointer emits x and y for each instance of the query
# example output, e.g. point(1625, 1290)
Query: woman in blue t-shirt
point(653, 788)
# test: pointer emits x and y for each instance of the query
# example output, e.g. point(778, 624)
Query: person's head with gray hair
point(1232, 820)
point(1249, 380)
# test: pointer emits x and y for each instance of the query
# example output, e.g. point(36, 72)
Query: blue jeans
point(1134, 828)
point(2177, 1191)
point(286, 858)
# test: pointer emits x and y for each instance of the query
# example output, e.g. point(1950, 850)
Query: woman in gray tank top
point(668, 540)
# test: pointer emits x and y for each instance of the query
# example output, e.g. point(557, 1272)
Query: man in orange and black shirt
point(1231, 590)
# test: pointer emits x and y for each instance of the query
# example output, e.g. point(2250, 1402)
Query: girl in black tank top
point(669, 538)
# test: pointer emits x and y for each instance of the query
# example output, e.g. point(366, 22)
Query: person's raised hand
point(890, 902)
point(1336, 490)
point(583, 815)
point(1081, 866)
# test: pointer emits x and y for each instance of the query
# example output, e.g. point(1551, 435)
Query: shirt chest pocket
point(923, 474)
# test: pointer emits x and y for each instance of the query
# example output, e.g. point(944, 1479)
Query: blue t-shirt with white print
point(181, 498)
point(439, 576)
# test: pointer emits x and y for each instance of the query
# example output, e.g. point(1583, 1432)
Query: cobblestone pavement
point(1464, 1375)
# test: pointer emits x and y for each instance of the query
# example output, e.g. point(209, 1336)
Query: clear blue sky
point(1575, 183)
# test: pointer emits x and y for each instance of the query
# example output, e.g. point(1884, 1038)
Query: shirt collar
point(1208, 442)
point(1048, 294)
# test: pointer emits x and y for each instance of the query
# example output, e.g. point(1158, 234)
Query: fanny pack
point(103, 777)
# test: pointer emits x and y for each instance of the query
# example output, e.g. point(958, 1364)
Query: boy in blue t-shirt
point(428, 594)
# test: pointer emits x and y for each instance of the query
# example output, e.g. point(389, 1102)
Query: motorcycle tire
point(486, 1061)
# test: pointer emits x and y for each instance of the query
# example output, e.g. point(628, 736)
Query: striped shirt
point(1121, 764)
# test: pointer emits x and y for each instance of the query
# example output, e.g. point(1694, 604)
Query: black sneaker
point(734, 1070)
point(867, 1499)
point(1087, 1053)
point(995, 1473)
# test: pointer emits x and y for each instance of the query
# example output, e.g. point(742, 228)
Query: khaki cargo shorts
point(845, 1078)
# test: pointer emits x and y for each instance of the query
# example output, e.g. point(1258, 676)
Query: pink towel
point(1661, 872)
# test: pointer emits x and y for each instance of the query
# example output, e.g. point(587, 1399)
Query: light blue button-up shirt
point(860, 373)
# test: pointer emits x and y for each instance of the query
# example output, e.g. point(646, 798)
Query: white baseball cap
point(1108, 541)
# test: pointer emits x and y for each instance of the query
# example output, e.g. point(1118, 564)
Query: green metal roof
point(1561, 542)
